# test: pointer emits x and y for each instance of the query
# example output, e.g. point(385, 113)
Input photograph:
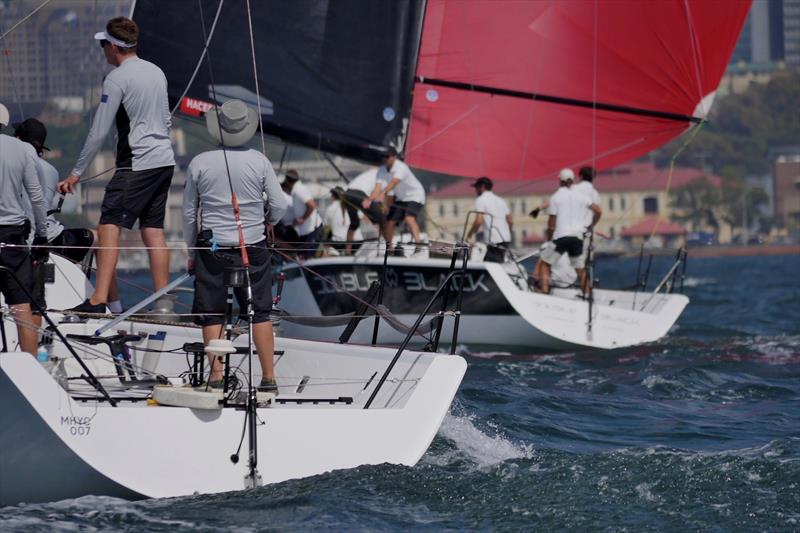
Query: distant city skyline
point(771, 33)
point(52, 56)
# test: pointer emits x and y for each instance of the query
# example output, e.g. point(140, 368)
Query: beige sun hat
point(4, 116)
point(235, 120)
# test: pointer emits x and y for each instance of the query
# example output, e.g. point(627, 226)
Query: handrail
point(153, 297)
point(410, 334)
point(663, 281)
point(89, 377)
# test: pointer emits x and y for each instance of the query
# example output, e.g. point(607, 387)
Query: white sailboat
point(499, 308)
point(66, 435)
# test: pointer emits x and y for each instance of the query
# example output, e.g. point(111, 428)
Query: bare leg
point(537, 275)
point(159, 256)
point(107, 256)
point(388, 232)
point(545, 279)
point(209, 333)
point(584, 280)
point(411, 222)
point(348, 248)
point(265, 345)
point(27, 333)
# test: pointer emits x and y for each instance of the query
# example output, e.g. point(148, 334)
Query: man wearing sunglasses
point(135, 100)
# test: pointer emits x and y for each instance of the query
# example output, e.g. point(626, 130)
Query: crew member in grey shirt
point(73, 243)
point(19, 189)
point(135, 99)
point(209, 224)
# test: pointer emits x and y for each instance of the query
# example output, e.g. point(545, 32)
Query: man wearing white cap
point(566, 225)
point(208, 222)
point(19, 179)
point(135, 99)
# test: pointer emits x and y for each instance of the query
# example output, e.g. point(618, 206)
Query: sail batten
point(558, 100)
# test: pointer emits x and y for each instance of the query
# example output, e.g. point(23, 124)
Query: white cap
point(566, 174)
point(4, 116)
point(103, 36)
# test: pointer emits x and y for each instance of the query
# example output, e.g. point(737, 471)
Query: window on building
point(622, 203)
point(651, 205)
point(612, 232)
point(523, 208)
point(455, 209)
point(610, 203)
point(441, 210)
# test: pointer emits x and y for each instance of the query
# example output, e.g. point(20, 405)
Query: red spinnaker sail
point(516, 89)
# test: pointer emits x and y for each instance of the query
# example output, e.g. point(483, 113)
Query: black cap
point(484, 182)
point(31, 131)
point(292, 175)
point(390, 151)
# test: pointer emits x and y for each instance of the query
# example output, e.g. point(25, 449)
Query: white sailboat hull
point(56, 447)
point(519, 320)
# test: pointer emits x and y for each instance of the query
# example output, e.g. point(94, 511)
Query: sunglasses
point(103, 43)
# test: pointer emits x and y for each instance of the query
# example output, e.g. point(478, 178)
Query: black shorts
point(73, 244)
point(399, 210)
point(573, 246)
point(352, 201)
point(309, 243)
point(285, 233)
point(18, 260)
point(210, 293)
point(137, 195)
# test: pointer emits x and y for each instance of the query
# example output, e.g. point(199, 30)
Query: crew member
point(71, 243)
point(135, 99)
point(586, 187)
point(357, 197)
point(337, 218)
point(395, 180)
point(493, 216)
point(208, 220)
point(19, 179)
point(566, 224)
point(307, 222)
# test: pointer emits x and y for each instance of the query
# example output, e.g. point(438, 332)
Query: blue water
point(697, 432)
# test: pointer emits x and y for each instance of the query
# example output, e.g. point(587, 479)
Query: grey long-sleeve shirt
point(19, 185)
point(207, 196)
point(135, 99)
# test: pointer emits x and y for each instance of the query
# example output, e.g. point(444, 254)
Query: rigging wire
point(255, 78)
point(25, 18)
point(202, 54)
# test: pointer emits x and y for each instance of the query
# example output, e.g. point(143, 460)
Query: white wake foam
point(696, 282)
point(484, 449)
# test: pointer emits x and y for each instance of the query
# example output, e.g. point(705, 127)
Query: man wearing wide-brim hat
point(208, 221)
